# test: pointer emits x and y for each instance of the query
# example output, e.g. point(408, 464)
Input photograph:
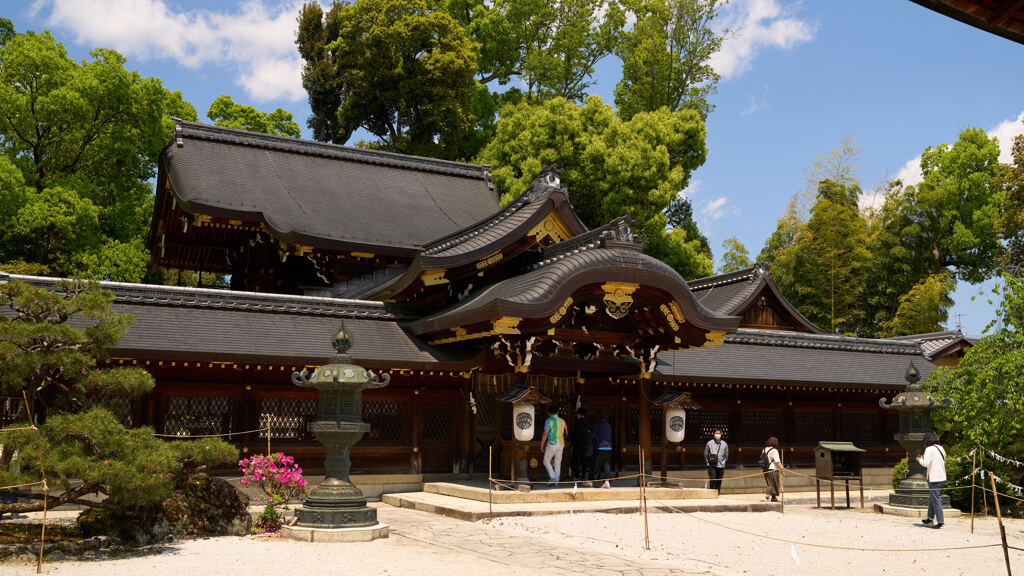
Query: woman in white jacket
point(934, 461)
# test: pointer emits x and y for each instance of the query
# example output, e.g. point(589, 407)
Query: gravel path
point(594, 545)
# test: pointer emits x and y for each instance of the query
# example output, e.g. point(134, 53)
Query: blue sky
point(798, 77)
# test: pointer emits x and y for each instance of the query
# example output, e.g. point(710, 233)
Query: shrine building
point(458, 298)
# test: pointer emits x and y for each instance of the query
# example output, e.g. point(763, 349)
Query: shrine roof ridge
point(189, 297)
point(822, 341)
point(187, 129)
point(746, 274)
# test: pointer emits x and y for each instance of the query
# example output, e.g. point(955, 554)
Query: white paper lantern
point(523, 421)
point(675, 424)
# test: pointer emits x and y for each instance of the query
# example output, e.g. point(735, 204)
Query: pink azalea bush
point(280, 480)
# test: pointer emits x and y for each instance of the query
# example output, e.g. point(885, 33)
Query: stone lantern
point(336, 510)
point(914, 407)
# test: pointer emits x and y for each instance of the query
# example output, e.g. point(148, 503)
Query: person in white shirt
point(770, 456)
point(934, 462)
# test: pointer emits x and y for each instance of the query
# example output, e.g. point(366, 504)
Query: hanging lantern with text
point(675, 404)
point(524, 400)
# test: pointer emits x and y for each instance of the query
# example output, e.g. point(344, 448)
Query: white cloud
point(1005, 132)
point(755, 25)
point(257, 40)
point(706, 211)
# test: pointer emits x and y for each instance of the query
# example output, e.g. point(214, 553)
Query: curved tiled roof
point(756, 356)
point(540, 292)
point(324, 195)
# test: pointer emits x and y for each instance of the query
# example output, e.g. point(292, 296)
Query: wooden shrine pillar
point(415, 459)
point(464, 433)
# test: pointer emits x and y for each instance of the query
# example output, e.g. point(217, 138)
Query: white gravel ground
point(679, 541)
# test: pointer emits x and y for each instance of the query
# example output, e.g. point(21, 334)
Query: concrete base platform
point(564, 493)
point(473, 510)
point(914, 512)
point(366, 534)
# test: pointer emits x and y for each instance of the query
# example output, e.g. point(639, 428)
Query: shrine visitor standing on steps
point(934, 461)
point(602, 440)
point(582, 447)
point(553, 443)
point(716, 452)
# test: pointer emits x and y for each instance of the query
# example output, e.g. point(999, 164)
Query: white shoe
point(606, 485)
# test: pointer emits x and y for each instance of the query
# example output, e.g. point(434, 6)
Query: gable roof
point(935, 344)
point(490, 236)
point(323, 195)
point(733, 293)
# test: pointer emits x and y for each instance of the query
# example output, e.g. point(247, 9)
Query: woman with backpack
point(771, 463)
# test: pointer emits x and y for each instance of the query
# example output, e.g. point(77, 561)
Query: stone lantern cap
point(672, 399)
point(913, 397)
point(340, 372)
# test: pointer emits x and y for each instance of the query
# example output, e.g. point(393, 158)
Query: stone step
point(563, 493)
point(474, 510)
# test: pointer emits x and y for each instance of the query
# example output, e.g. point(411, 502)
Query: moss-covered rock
point(199, 505)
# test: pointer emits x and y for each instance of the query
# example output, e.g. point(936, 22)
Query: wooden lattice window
point(198, 415)
point(486, 399)
point(892, 426)
point(437, 423)
point(759, 425)
point(387, 421)
point(860, 427)
point(701, 424)
point(120, 406)
point(812, 426)
point(288, 418)
point(657, 424)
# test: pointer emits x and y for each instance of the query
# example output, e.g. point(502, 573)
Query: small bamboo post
point(984, 492)
point(42, 535)
point(490, 482)
point(643, 500)
point(1002, 529)
point(268, 437)
point(974, 473)
point(782, 481)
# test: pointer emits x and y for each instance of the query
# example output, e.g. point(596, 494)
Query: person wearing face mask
point(716, 452)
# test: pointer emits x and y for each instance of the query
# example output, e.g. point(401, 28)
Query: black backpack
point(765, 463)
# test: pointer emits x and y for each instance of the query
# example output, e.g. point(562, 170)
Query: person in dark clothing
point(602, 439)
point(582, 447)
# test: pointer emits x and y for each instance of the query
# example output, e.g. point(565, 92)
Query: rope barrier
point(267, 429)
point(21, 485)
point(826, 546)
point(2, 430)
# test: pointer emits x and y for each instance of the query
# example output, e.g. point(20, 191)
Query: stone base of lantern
point(914, 512)
point(362, 534)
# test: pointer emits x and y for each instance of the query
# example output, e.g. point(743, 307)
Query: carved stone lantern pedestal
point(336, 510)
point(914, 407)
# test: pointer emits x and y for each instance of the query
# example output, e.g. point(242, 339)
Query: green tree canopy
point(988, 384)
point(679, 214)
point(736, 256)
point(225, 112)
point(1011, 223)
point(551, 46)
point(85, 137)
point(823, 271)
point(666, 57)
point(396, 68)
point(612, 167)
point(44, 356)
point(923, 309)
